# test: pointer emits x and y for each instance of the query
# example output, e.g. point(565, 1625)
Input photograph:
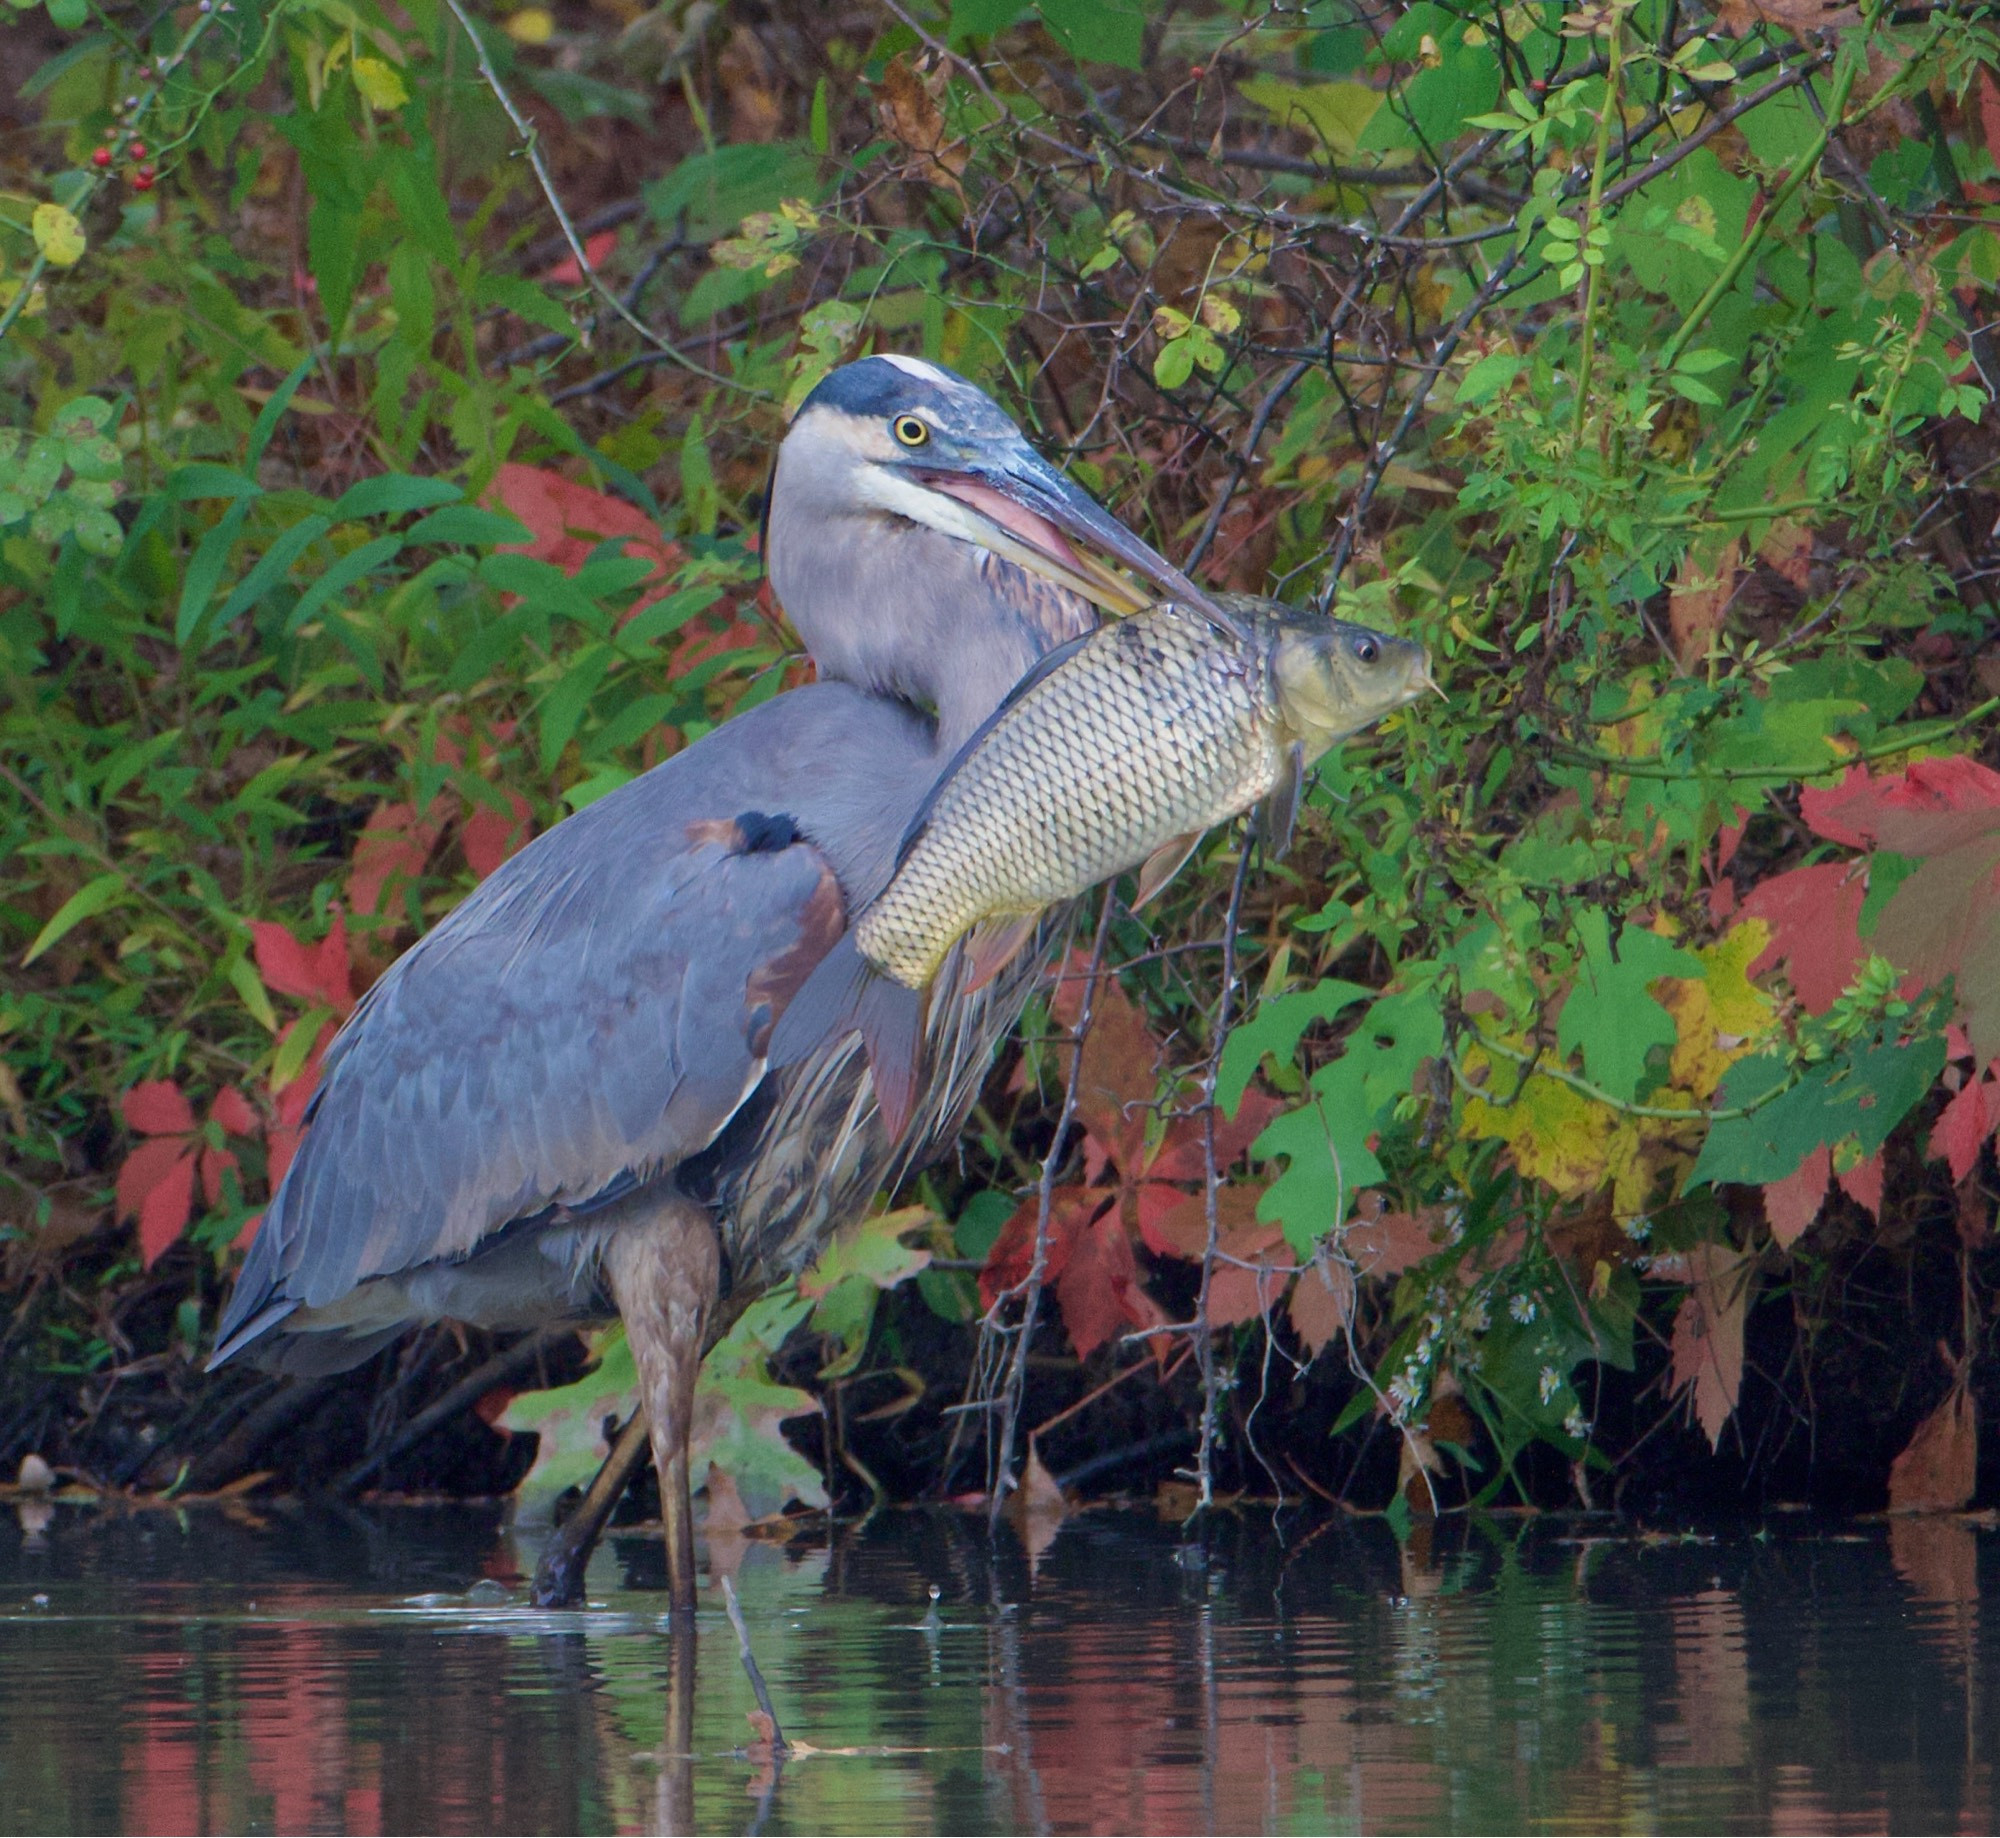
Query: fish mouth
point(1022, 508)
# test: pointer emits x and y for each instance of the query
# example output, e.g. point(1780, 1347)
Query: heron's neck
point(913, 613)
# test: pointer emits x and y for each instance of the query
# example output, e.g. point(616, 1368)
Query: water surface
point(312, 1670)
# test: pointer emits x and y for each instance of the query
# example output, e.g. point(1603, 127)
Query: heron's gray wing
point(592, 1015)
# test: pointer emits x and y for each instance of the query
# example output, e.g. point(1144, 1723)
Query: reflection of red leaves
point(321, 973)
point(1815, 919)
point(156, 1182)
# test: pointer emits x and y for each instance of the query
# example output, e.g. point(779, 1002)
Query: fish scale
point(1157, 729)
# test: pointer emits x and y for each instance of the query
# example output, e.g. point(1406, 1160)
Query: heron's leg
point(663, 1269)
point(559, 1574)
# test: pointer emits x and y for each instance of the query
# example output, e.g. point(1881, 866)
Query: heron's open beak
point(1021, 507)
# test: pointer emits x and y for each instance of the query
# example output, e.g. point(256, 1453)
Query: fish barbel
point(1117, 750)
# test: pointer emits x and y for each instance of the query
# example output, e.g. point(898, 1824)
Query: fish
point(1119, 750)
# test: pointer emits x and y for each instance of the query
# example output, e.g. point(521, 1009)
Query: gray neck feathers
point(903, 610)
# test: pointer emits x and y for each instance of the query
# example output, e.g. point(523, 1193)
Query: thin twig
point(532, 146)
point(779, 1746)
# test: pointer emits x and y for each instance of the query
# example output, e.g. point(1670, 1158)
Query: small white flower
point(1551, 1383)
point(1576, 1425)
point(1522, 1308)
point(1638, 1228)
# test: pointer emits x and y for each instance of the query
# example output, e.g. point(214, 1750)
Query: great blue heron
point(555, 1103)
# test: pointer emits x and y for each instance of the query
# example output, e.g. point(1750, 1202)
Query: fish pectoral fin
point(1281, 809)
point(993, 944)
point(1162, 865)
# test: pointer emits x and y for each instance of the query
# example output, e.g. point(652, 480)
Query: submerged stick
point(779, 1746)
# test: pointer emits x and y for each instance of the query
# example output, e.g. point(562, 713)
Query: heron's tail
point(847, 995)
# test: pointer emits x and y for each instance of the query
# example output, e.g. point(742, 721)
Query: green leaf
point(89, 900)
point(469, 526)
point(296, 1047)
point(563, 707)
point(1175, 364)
point(1611, 1014)
point(70, 15)
point(204, 573)
point(1335, 113)
point(205, 480)
point(1276, 1029)
point(243, 978)
point(569, 1421)
point(341, 576)
point(391, 494)
point(1488, 376)
point(276, 563)
point(267, 420)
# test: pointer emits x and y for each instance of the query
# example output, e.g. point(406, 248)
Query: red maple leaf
point(488, 835)
point(1910, 812)
point(156, 1182)
point(1815, 919)
point(1965, 1123)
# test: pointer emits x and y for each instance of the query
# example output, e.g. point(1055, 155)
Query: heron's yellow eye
point(909, 430)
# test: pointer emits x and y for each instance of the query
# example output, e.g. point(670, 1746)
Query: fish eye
point(909, 430)
point(1367, 650)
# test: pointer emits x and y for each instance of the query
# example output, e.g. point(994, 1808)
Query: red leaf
point(1181, 1230)
point(489, 836)
point(235, 1113)
point(163, 1213)
point(1322, 1302)
point(557, 510)
point(1099, 1289)
point(1863, 1184)
point(1708, 1336)
point(1793, 1203)
point(1815, 919)
point(157, 1108)
point(1013, 1252)
point(393, 846)
point(1900, 811)
point(596, 251)
point(289, 1123)
point(317, 973)
point(214, 1164)
point(1966, 1122)
point(1236, 1294)
point(1181, 1157)
point(1390, 1243)
point(145, 1168)
point(1935, 1474)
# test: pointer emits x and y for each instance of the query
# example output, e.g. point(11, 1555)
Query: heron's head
point(904, 445)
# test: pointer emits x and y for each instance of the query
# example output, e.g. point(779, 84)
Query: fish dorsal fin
point(993, 944)
point(1162, 865)
point(1281, 808)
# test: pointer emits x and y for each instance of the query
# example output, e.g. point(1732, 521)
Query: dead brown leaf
point(908, 103)
point(1935, 1474)
point(1738, 17)
point(1702, 590)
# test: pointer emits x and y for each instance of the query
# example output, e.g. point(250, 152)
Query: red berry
point(146, 173)
point(101, 158)
point(142, 181)
point(137, 150)
point(1196, 70)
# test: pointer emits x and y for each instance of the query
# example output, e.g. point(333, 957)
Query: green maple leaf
point(1611, 1014)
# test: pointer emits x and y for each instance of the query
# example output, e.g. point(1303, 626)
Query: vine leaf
point(1708, 1336)
point(1611, 1015)
point(1935, 1474)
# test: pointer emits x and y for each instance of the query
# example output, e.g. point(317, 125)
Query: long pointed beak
point(1028, 508)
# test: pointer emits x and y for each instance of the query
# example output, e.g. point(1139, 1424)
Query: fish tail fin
point(847, 995)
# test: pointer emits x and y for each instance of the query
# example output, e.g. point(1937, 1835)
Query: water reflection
point(369, 1673)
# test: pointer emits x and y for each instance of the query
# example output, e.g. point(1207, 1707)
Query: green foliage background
point(1630, 356)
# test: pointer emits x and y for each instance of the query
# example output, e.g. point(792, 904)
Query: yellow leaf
point(380, 86)
point(532, 25)
point(1334, 112)
point(1720, 1015)
point(58, 236)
